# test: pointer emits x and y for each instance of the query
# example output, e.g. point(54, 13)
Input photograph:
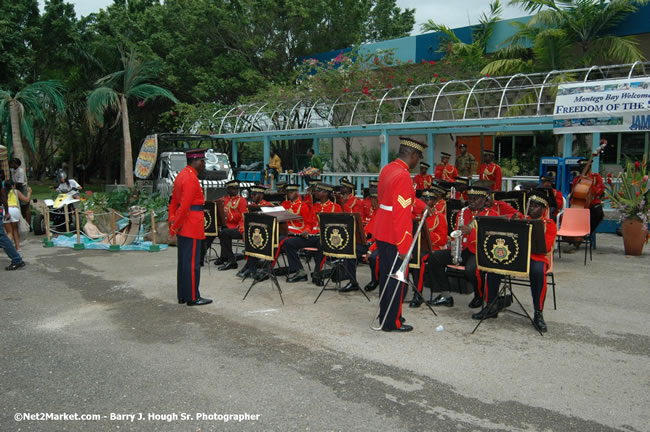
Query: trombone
point(399, 275)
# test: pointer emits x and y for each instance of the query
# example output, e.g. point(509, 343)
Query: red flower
point(435, 75)
point(345, 90)
point(365, 91)
point(487, 75)
point(609, 181)
point(409, 80)
point(376, 60)
point(140, 104)
point(460, 60)
point(636, 165)
point(432, 62)
point(637, 193)
point(443, 80)
point(410, 61)
point(389, 85)
point(645, 178)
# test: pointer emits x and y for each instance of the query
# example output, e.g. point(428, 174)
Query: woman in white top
point(14, 197)
point(67, 185)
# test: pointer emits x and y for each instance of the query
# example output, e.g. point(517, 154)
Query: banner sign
point(503, 245)
point(210, 223)
point(338, 234)
point(602, 106)
point(260, 235)
point(147, 157)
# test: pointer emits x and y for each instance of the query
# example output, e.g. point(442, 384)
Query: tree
point(113, 91)
point(472, 55)
point(559, 28)
point(18, 112)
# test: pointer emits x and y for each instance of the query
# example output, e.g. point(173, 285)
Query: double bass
point(582, 194)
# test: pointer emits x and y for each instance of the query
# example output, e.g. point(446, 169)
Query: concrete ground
point(95, 332)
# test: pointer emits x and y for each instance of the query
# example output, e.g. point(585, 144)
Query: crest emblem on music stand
point(500, 251)
point(335, 239)
point(257, 238)
point(207, 219)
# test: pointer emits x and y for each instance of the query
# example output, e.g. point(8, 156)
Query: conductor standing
point(393, 228)
point(186, 223)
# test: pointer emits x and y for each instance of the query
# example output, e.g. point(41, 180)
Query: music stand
point(261, 240)
point(422, 247)
point(339, 235)
point(497, 239)
point(213, 220)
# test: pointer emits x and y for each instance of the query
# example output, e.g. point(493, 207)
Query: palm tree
point(559, 27)
point(473, 55)
point(19, 111)
point(113, 91)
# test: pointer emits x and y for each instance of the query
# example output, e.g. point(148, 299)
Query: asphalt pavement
point(99, 334)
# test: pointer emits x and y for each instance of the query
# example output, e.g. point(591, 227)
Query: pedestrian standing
point(5, 243)
point(20, 179)
point(186, 223)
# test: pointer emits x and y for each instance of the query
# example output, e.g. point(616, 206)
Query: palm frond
point(150, 91)
point(99, 101)
point(441, 28)
point(27, 129)
point(619, 49)
point(503, 67)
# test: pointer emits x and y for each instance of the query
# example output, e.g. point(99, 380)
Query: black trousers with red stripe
point(390, 312)
point(189, 268)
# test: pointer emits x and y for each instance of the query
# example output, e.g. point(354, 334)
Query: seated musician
point(368, 203)
point(423, 180)
point(234, 207)
point(371, 247)
point(350, 204)
point(537, 206)
point(502, 208)
point(596, 213)
point(436, 226)
point(293, 204)
point(310, 237)
point(546, 182)
point(438, 261)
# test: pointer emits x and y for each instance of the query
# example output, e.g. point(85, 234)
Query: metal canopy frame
point(508, 103)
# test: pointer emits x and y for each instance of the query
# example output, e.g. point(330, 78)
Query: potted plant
point(629, 194)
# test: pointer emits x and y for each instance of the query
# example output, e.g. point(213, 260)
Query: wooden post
point(67, 219)
point(78, 245)
point(154, 247)
point(113, 247)
point(48, 242)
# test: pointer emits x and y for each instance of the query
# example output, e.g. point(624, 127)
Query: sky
point(452, 13)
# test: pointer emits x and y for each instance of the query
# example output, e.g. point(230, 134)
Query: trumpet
point(399, 274)
point(457, 238)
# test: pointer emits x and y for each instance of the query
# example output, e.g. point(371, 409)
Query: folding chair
point(575, 223)
point(526, 282)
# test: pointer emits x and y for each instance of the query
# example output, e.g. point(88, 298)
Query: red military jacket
point(353, 205)
point(441, 206)
point(469, 240)
point(458, 196)
point(504, 209)
point(446, 172)
point(298, 207)
point(309, 200)
point(550, 232)
point(396, 198)
point(598, 188)
point(559, 199)
point(422, 181)
point(234, 208)
point(491, 172)
point(262, 203)
point(328, 207)
point(437, 226)
point(367, 210)
point(187, 192)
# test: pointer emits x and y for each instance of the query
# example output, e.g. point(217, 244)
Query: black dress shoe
point(181, 301)
point(228, 266)
point(15, 266)
point(199, 302)
point(245, 272)
point(485, 313)
point(351, 286)
point(298, 276)
point(476, 302)
point(441, 301)
point(218, 261)
point(539, 322)
point(415, 302)
point(403, 329)
point(372, 285)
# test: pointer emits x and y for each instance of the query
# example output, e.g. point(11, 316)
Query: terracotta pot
point(634, 236)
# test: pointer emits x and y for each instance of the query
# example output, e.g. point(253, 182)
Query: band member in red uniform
point(546, 182)
point(186, 223)
point(373, 258)
point(598, 189)
point(394, 229)
point(294, 204)
point(441, 198)
point(445, 171)
point(423, 180)
point(477, 198)
point(257, 200)
point(351, 203)
point(234, 208)
point(310, 237)
point(537, 206)
point(490, 171)
point(436, 225)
